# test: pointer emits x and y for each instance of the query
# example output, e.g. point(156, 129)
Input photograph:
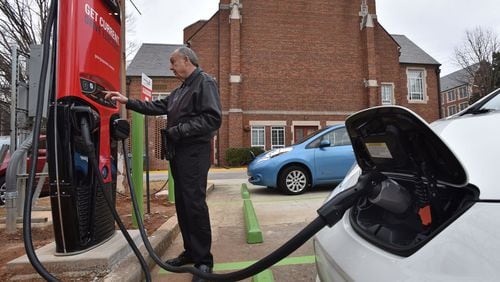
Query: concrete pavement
point(280, 217)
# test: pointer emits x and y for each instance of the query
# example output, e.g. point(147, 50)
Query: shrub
point(241, 156)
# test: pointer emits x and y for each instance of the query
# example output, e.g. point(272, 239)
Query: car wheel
point(3, 189)
point(294, 180)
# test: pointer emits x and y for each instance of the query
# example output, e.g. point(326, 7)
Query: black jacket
point(193, 110)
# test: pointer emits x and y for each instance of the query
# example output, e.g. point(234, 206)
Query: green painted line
point(264, 276)
point(228, 266)
point(283, 262)
point(245, 194)
point(254, 234)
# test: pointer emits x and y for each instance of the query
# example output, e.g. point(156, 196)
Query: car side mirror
point(252, 154)
point(325, 143)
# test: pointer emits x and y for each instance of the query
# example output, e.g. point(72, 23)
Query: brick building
point(456, 89)
point(286, 68)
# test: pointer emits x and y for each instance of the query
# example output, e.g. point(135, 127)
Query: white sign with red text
point(147, 88)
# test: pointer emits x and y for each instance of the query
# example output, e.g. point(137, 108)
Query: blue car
point(322, 158)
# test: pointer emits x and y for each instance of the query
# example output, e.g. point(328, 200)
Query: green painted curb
point(245, 194)
point(254, 234)
point(264, 276)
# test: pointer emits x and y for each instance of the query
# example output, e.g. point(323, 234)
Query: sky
point(436, 26)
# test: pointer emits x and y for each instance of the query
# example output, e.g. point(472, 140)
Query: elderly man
point(194, 115)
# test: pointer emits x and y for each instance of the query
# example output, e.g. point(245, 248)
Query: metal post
point(13, 99)
point(137, 162)
point(146, 141)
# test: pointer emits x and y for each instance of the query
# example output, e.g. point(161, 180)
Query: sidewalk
point(128, 269)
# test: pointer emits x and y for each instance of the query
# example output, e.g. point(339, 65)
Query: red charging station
point(87, 63)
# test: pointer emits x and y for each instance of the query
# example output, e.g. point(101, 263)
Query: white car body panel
point(467, 137)
point(466, 250)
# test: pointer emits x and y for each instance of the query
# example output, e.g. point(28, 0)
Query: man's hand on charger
point(115, 96)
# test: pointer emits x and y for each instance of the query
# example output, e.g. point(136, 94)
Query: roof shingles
point(411, 53)
point(152, 60)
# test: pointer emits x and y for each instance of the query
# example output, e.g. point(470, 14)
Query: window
point(258, 137)
point(338, 137)
point(462, 93)
point(452, 110)
point(463, 106)
point(416, 85)
point(277, 137)
point(387, 94)
point(451, 96)
point(159, 95)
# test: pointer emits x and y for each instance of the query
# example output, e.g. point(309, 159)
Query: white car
point(441, 220)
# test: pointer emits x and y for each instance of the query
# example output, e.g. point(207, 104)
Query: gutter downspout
point(219, 75)
point(11, 183)
point(438, 73)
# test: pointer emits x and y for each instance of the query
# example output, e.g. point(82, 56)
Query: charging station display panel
point(88, 62)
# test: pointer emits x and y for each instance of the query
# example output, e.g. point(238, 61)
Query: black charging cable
point(27, 236)
point(85, 131)
point(329, 214)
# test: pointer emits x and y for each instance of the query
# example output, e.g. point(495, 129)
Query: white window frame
point(462, 93)
point(463, 106)
point(451, 96)
point(159, 95)
point(450, 112)
point(277, 129)
point(417, 95)
point(259, 130)
point(384, 100)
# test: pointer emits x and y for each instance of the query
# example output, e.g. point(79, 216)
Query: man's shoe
point(202, 268)
point(181, 260)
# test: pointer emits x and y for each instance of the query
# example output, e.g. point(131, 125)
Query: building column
point(235, 136)
point(367, 25)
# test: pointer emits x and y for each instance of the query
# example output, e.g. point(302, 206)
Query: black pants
point(190, 170)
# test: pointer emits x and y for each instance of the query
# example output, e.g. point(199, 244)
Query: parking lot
point(280, 217)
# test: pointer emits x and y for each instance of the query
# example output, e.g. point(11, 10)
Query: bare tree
point(476, 57)
point(131, 46)
point(21, 23)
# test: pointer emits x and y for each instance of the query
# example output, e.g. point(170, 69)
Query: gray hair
point(190, 54)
